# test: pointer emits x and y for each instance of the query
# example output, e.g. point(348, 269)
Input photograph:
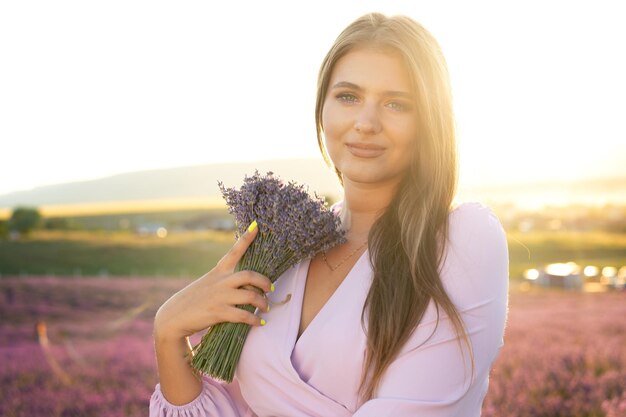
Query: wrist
point(164, 335)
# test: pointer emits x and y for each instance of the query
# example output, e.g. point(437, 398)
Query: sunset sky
point(90, 89)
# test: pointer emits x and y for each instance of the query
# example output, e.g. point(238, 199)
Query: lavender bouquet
point(292, 226)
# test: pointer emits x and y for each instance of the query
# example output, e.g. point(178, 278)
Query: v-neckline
point(301, 282)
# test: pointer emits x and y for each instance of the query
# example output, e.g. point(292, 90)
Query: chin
point(367, 170)
point(368, 176)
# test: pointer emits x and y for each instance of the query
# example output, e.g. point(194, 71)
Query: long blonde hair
point(407, 241)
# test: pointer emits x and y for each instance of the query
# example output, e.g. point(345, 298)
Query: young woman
point(404, 319)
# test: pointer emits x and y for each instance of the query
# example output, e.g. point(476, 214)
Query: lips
point(365, 150)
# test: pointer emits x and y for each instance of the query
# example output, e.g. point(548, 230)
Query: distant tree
point(24, 219)
point(4, 229)
point(56, 223)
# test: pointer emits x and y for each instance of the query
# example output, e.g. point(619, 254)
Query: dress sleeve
point(217, 399)
point(433, 379)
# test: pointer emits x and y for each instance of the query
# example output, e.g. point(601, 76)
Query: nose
point(367, 120)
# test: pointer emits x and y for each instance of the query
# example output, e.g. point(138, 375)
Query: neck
point(363, 203)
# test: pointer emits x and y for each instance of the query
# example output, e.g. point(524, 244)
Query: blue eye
point(399, 106)
point(350, 98)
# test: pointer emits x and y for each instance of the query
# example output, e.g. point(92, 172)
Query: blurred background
point(118, 118)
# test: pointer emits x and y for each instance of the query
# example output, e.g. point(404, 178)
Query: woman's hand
point(212, 298)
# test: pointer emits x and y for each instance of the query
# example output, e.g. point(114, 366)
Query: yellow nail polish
point(252, 226)
point(272, 288)
point(262, 322)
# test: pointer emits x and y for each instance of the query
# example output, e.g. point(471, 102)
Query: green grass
point(118, 253)
point(535, 249)
point(191, 254)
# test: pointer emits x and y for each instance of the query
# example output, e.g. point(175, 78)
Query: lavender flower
point(292, 226)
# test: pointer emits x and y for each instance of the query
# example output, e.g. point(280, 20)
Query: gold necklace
point(344, 259)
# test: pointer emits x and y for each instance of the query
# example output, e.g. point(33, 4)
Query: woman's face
point(369, 117)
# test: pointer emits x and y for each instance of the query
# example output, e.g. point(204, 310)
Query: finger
point(239, 315)
point(244, 296)
point(229, 261)
point(248, 277)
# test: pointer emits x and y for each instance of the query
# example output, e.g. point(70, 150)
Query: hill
point(196, 187)
point(181, 186)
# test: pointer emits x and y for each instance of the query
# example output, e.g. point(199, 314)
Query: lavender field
point(83, 347)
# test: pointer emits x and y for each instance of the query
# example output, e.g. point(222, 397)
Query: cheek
point(335, 121)
point(405, 135)
point(405, 142)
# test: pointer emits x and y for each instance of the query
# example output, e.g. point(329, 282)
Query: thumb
point(229, 261)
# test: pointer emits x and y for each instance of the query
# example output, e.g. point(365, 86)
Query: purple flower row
point(563, 353)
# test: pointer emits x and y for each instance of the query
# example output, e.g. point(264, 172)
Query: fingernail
point(252, 226)
point(272, 288)
point(262, 322)
point(268, 308)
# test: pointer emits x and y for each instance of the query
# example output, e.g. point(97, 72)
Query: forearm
point(180, 384)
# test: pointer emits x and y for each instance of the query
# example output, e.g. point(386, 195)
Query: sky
point(91, 89)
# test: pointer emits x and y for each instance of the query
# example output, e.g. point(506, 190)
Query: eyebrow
point(358, 88)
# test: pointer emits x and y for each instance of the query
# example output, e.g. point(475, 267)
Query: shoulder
point(476, 255)
point(474, 220)
point(472, 209)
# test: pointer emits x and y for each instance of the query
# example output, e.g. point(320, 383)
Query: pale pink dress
point(318, 375)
